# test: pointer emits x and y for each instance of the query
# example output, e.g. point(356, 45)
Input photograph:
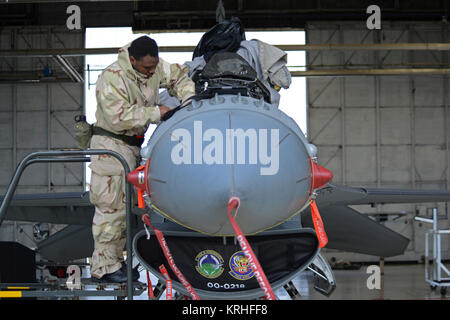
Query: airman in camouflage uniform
point(127, 93)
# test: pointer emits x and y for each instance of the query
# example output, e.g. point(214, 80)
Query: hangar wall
point(383, 131)
point(37, 114)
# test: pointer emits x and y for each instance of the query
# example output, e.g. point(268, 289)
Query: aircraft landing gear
point(292, 291)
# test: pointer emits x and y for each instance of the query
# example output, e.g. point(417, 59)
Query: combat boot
point(120, 276)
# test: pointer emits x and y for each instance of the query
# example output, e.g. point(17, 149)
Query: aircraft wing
point(342, 195)
point(75, 207)
point(349, 230)
point(68, 208)
point(59, 208)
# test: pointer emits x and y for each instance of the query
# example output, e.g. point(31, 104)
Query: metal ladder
point(72, 156)
point(434, 275)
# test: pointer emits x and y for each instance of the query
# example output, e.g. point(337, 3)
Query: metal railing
point(76, 156)
point(433, 253)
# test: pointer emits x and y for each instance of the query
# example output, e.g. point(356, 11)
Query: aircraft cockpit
point(229, 73)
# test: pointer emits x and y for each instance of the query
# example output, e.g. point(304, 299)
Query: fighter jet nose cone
point(321, 176)
point(223, 146)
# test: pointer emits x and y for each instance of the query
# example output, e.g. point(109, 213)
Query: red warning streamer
point(150, 293)
point(234, 203)
point(318, 225)
point(169, 258)
point(164, 272)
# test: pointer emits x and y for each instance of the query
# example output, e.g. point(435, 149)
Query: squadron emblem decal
point(209, 264)
point(239, 266)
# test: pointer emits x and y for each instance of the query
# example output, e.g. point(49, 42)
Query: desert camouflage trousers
point(107, 194)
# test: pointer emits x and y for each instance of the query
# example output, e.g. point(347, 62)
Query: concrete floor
point(401, 282)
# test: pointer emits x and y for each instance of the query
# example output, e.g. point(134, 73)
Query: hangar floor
point(401, 282)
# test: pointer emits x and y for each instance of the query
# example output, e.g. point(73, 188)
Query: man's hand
point(163, 109)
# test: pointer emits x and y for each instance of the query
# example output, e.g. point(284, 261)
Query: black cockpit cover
point(223, 37)
point(228, 65)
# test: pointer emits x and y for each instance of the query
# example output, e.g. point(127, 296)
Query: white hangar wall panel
point(383, 131)
point(39, 115)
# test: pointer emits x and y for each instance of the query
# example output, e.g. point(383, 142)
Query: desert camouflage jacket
point(126, 98)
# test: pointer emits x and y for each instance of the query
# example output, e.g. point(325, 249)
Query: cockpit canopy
point(229, 73)
point(228, 65)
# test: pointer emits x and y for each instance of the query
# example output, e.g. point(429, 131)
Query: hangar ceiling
point(200, 15)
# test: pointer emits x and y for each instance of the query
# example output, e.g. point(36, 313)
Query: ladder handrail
point(54, 156)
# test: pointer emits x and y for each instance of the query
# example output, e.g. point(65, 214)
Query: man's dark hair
point(143, 46)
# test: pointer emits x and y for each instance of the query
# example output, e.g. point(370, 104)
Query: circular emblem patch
point(209, 264)
point(239, 266)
